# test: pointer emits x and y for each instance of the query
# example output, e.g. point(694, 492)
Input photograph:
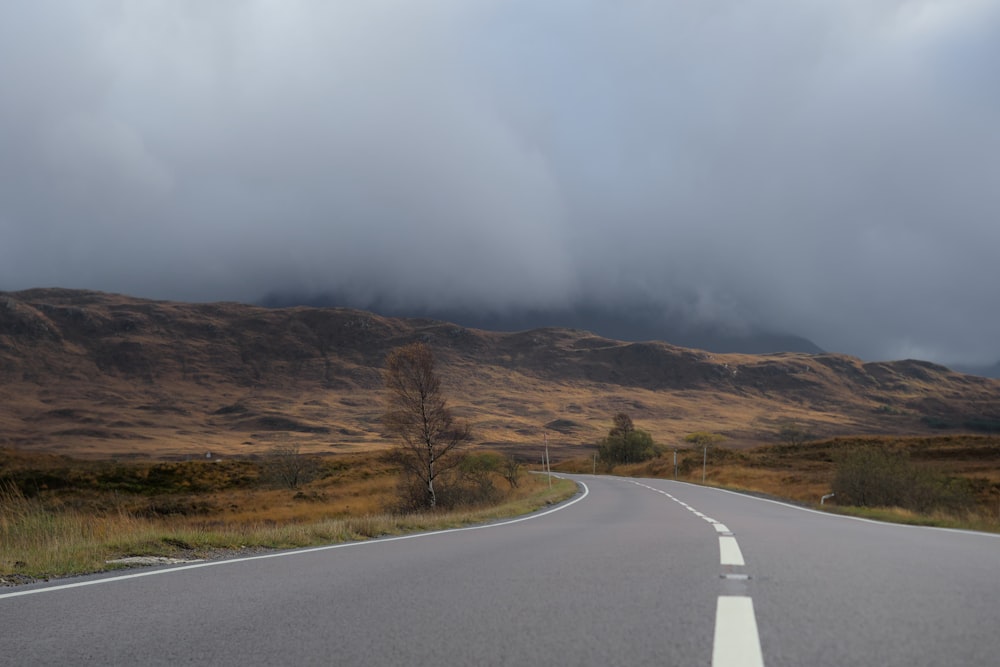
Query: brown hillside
point(94, 374)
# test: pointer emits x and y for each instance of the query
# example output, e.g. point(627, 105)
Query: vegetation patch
point(946, 480)
point(625, 444)
point(91, 512)
point(872, 476)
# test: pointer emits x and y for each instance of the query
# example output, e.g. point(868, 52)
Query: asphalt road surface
point(632, 572)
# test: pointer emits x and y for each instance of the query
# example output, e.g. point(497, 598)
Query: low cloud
point(826, 168)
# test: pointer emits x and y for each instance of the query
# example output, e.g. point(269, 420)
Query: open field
point(62, 516)
point(59, 516)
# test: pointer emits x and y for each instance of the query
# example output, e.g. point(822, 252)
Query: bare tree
point(792, 433)
point(512, 470)
point(286, 465)
point(417, 414)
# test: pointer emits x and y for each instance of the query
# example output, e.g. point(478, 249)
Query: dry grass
point(804, 473)
point(42, 538)
point(98, 376)
point(983, 520)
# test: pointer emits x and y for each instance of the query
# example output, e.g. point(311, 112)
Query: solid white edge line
point(729, 551)
point(295, 552)
point(830, 514)
point(736, 642)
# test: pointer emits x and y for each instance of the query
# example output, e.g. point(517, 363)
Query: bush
point(870, 476)
point(625, 444)
point(511, 470)
point(469, 484)
point(634, 447)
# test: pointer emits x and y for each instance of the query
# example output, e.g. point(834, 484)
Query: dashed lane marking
point(736, 642)
point(729, 551)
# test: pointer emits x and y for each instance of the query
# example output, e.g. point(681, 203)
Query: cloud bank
point(827, 168)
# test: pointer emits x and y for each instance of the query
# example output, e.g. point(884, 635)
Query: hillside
point(93, 374)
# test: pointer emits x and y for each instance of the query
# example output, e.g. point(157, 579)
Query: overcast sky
point(828, 168)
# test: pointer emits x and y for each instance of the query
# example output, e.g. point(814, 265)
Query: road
point(633, 572)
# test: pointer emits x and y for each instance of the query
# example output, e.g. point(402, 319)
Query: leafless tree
point(416, 413)
point(792, 433)
point(512, 470)
point(286, 465)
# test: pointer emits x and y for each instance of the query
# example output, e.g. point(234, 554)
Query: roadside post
point(548, 463)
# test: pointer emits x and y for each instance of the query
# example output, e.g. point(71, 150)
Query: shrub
point(634, 447)
point(871, 476)
point(511, 470)
point(469, 484)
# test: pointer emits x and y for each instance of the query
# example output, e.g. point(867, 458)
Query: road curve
point(636, 572)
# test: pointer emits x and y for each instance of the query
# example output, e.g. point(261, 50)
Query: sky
point(827, 168)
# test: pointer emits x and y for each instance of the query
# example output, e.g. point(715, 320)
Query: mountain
point(93, 374)
point(635, 321)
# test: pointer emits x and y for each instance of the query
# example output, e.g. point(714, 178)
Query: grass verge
point(37, 542)
point(805, 472)
point(973, 521)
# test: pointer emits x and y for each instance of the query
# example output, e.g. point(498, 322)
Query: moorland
point(97, 375)
point(146, 426)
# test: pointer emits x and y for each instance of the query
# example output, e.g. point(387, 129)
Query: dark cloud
point(825, 168)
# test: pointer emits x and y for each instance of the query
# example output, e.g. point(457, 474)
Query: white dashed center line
point(729, 551)
point(736, 642)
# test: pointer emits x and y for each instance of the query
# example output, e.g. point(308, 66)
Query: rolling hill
point(94, 374)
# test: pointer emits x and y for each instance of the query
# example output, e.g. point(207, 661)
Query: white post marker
point(736, 642)
point(548, 464)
